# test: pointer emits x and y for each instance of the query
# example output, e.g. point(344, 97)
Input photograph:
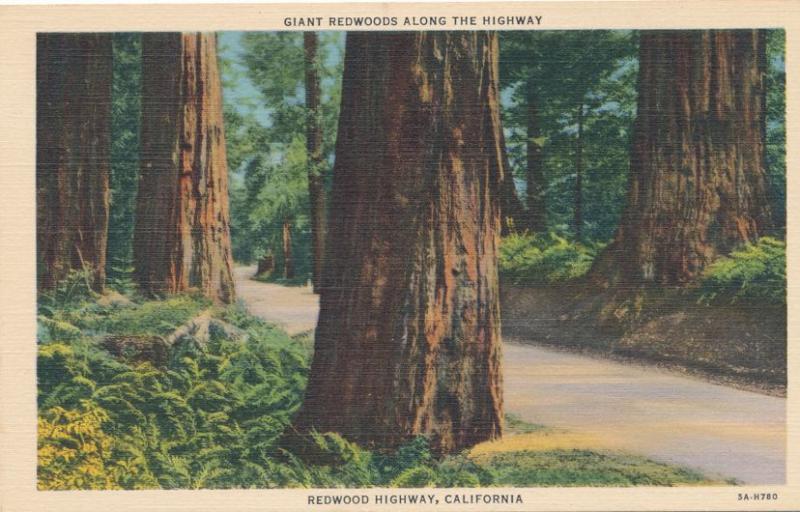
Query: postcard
point(385, 256)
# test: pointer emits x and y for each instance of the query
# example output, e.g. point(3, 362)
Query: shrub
point(71, 291)
point(209, 419)
point(566, 468)
point(157, 317)
point(76, 453)
point(754, 273)
point(547, 258)
point(418, 476)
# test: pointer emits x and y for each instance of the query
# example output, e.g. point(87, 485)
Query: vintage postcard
point(432, 256)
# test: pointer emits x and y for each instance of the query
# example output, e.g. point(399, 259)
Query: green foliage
point(517, 425)
point(776, 126)
point(70, 292)
point(547, 258)
point(209, 419)
point(274, 194)
point(756, 273)
point(150, 318)
point(125, 113)
point(563, 74)
point(265, 118)
point(75, 453)
point(582, 468)
point(418, 476)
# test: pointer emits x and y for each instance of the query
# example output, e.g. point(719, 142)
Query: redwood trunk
point(266, 265)
point(537, 216)
point(408, 339)
point(288, 262)
point(316, 182)
point(697, 185)
point(182, 234)
point(73, 147)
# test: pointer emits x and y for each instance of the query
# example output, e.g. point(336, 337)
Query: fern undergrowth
point(212, 413)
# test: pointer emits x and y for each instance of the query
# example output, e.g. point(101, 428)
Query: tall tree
point(288, 260)
point(697, 186)
point(182, 235)
point(578, 200)
point(73, 123)
point(534, 177)
point(512, 212)
point(316, 180)
point(775, 159)
point(408, 337)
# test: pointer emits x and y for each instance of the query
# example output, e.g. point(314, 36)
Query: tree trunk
point(408, 339)
point(182, 235)
point(511, 209)
point(697, 186)
point(288, 262)
point(73, 126)
point(537, 213)
point(578, 220)
point(266, 264)
point(316, 181)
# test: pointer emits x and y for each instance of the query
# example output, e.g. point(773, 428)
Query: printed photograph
point(452, 259)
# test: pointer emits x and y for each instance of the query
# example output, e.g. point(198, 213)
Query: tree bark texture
point(537, 213)
point(697, 186)
point(73, 147)
point(182, 235)
point(288, 262)
point(408, 339)
point(266, 264)
point(316, 180)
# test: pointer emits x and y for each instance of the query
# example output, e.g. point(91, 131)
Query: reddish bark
point(266, 264)
point(408, 339)
point(73, 128)
point(697, 186)
point(288, 259)
point(182, 234)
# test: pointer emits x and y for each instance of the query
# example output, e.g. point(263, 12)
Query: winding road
point(721, 431)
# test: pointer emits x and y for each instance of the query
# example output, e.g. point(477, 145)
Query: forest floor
point(722, 431)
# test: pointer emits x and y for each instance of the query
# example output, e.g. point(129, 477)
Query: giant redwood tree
point(408, 339)
point(697, 185)
point(73, 125)
point(182, 234)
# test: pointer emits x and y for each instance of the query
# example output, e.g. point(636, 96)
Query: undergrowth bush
point(546, 258)
point(755, 273)
point(213, 414)
point(209, 419)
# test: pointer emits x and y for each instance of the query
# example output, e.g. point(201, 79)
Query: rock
point(113, 298)
point(200, 329)
point(135, 348)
